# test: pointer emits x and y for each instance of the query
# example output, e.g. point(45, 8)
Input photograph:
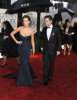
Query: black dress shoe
point(49, 80)
point(3, 65)
point(61, 54)
point(43, 83)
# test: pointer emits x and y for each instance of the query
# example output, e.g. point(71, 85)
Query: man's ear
point(51, 21)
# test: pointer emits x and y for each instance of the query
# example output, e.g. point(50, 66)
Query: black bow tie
point(48, 27)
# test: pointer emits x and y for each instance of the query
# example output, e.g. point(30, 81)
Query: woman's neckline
point(25, 36)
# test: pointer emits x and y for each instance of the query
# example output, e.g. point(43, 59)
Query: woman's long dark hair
point(8, 26)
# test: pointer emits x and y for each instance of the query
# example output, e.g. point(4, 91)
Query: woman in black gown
point(10, 49)
point(25, 75)
point(68, 32)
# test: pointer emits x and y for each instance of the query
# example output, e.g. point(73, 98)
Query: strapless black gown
point(25, 75)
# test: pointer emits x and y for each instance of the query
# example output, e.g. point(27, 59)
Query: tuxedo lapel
point(46, 33)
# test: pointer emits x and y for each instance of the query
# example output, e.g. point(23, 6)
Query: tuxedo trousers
point(48, 70)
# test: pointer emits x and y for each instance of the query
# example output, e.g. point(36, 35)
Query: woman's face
point(26, 22)
point(3, 25)
point(68, 24)
point(60, 23)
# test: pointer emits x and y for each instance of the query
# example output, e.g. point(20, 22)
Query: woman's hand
point(19, 42)
point(5, 37)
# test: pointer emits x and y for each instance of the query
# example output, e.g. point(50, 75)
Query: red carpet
point(62, 87)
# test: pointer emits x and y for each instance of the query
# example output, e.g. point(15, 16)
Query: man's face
point(48, 22)
point(68, 24)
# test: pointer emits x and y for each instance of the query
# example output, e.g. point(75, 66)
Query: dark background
point(5, 3)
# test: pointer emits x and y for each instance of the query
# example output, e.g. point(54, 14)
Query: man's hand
point(62, 28)
point(33, 51)
point(70, 34)
point(58, 53)
point(33, 29)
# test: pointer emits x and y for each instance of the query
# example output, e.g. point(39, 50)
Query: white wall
point(2, 10)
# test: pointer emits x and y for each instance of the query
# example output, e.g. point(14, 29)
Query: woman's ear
point(29, 22)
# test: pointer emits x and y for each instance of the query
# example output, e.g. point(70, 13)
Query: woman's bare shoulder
point(32, 30)
point(20, 27)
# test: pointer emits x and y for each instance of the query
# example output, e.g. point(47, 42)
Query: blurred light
point(41, 49)
point(1, 56)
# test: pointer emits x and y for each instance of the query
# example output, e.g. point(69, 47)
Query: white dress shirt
point(49, 30)
point(66, 31)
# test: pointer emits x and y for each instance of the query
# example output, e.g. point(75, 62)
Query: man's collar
point(51, 26)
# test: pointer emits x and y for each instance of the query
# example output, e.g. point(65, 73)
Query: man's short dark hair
point(67, 20)
point(48, 16)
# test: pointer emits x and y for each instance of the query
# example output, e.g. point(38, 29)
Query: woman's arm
point(32, 42)
point(15, 32)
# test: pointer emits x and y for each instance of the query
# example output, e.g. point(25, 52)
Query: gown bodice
point(25, 38)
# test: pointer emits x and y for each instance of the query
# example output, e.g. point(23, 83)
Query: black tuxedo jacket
point(70, 30)
point(54, 43)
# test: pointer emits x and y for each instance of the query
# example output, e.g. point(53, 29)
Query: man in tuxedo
point(51, 46)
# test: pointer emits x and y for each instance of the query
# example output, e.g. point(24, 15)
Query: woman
point(68, 32)
point(9, 49)
point(25, 74)
point(3, 29)
point(59, 26)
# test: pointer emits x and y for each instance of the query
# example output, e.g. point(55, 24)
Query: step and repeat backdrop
point(33, 16)
point(13, 19)
point(42, 15)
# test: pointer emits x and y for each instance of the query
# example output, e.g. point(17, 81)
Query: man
point(51, 45)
